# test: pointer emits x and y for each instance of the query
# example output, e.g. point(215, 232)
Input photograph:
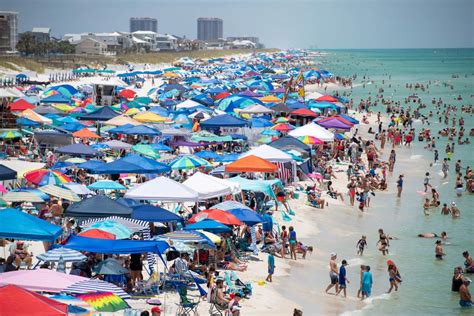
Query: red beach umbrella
point(327, 98)
point(127, 93)
point(220, 216)
point(97, 233)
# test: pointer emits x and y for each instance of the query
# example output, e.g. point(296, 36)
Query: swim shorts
point(334, 278)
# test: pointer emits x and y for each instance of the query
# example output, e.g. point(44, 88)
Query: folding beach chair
point(186, 306)
point(215, 308)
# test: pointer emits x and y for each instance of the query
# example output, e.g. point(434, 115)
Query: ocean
point(426, 287)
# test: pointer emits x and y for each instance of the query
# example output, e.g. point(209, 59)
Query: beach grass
point(16, 63)
point(38, 64)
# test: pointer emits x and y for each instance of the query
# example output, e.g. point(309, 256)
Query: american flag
point(284, 171)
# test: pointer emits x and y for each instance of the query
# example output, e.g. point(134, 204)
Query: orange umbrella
point(85, 133)
point(251, 164)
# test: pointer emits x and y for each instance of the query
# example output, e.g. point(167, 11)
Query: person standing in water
point(399, 185)
point(465, 299)
point(333, 273)
point(343, 278)
point(445, 168)
point(367, 282)
point(391, 160)
point(392, 274)
point(361, 244)
point(439, 251)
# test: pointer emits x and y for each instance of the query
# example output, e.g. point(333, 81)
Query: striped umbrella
point(119, 230)
point(22, 196)
point(68, 255)
point(188, 162)
point(310, 140)
point(94, 285)
point(61, 193)
point(10, 135)
point(283, 127)
point(45, 176)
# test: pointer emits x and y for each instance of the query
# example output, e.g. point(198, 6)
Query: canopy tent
point(269, 153)
point(98, 206)
point(206, 186)
point(290, 143)
point(141, 130)
point(56, 98)
point(265, 186)
point(303, 112)
point(90, 164)
point(117, 144)
point(78, 150)
point(251, 164)
point(115, 246)
point(7, 173)
point(151, 213)
point(19, 225)
point(163, 189)
point(21, 302)
point(209, 225)
point(121, 120)
point(106, 185)
point(224, 120)
point(39, 280)
point(256, 109)
point(85, 133)
point(20, 105)
point(314, 130)
point(150, 117)
point(103, 114)
point(35, 117)
point(132, 163)
point(335, 124)
point(21, 166)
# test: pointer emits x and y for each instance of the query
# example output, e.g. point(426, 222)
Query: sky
point(278, 23)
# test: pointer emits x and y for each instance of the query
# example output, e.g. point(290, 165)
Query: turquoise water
point(427, 282)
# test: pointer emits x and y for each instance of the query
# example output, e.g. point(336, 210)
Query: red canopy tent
point(16, 301)
point(304, 112)
point(20, 105)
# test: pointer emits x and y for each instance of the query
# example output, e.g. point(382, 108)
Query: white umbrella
point(61, 193)
point(67, 255)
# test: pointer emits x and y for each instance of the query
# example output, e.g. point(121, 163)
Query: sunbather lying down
point(235, 266)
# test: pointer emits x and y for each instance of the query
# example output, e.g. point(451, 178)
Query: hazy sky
point(278, 23)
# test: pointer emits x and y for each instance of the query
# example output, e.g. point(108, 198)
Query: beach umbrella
point(188, 238)
point(303, 112)
point(228, 157)
point(104, 301)
point(146, 150)
point(119, 230)
point(251, 163)
point(212, 237)
point(270, 132)
point(270, 99)
point(106, 185)
point(75, 160)
point(188, 162)
point(109, 266)
point(127, 93)
point(20, 105)
point(281, 119)
point(67, 255)
point(98, 234)
point(46, 176)
point(10, 135)
point(244, 213)
point(310, 140)
point(95, 285)
point(85, 133)
point(161, 147)
point(283, 127)
point(59, 192)
point(75, 305)
point(220, 216)
point(266, 140)
point(209, 225)
point(22, 197)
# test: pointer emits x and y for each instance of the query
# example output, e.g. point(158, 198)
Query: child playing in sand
point(361, 245)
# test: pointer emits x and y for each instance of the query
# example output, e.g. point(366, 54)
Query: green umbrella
point(146, 150)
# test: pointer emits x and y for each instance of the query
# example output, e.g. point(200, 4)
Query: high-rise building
point(209, 29)
point(8, 30)
point(143, 24)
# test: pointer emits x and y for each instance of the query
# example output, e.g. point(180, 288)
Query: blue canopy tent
point(19, 225)
point(260, 123)
point(132, 164)
point(151, 213)
point(103, 114)
point(128, 202)
point(72, 127)
point(98, 206)
point(207, 154)
point(349, 118)
point(141, 130)
point(117, 246)
point(78, 150)
point(160, 147)
point(210, 226)
point(7, 173)
point(120, 129)
point(224, 120)
point(23, 121)
point(91, 164)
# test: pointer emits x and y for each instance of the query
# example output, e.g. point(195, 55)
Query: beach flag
point(287, 90)
point(300, 84)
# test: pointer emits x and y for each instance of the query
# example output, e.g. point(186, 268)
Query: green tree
point(26, 44)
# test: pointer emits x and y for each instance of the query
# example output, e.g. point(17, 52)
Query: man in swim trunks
point(465, 299)
point(333, 273)
point(439, 252)
point(469, 263)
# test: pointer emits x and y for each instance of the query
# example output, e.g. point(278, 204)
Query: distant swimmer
point(439, 251)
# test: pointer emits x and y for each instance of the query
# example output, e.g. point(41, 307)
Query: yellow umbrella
point(132, 111)
point(32, 115)
point(121, 120)
point(170, 75)
point(213, 237)
point(150, 117)
point(63, 107)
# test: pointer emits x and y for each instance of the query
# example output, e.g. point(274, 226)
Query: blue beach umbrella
point(210, 226)
point(106, 185)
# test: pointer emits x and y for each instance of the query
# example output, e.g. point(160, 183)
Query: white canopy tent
point(188, 104)
point(269, 153)
point(117, 144)
point(256, 109)
point(21, 166)
point(164, 190)
point(207, 186)
point(314, 130)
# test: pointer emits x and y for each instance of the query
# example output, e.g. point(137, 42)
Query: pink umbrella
point(40, 280)
point(315, 175)
point(2, 188)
